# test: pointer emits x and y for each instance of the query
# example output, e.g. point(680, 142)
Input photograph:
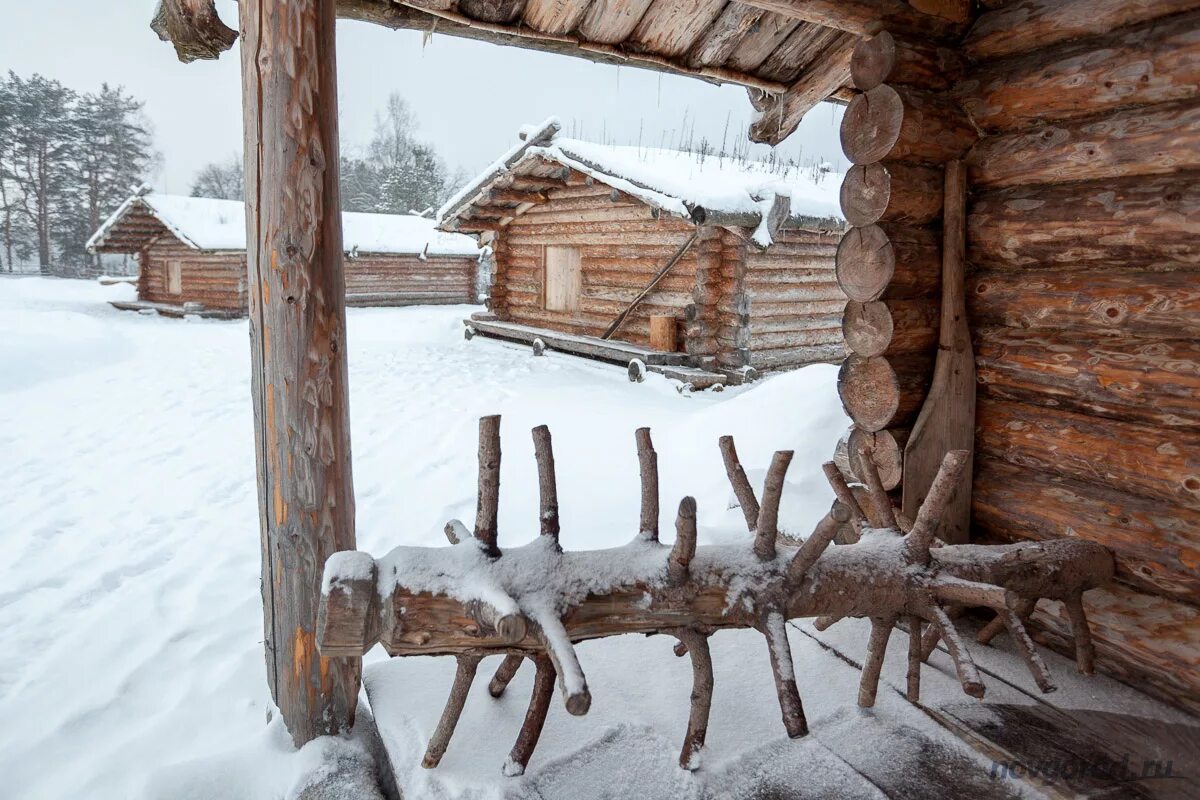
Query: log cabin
point(709, 268)
point(191, 254)
point(1020, 264)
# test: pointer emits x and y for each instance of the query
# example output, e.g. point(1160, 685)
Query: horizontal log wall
point(795, 301)
point(434, 279)
point(1084, 300)
point(217, 280)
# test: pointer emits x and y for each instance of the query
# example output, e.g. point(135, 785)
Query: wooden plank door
point(174, 277)
point(563, 278)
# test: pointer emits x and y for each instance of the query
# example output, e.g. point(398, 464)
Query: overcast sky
point(470, 97)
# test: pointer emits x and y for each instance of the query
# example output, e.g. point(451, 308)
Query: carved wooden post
point(298, 333)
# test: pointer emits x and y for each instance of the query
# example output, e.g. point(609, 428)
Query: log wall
point(217, 280)
point(737, 307)
point(1082, 238)
point(409, 279)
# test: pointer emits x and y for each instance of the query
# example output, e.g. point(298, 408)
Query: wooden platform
point(168, 310)
point(672, 365)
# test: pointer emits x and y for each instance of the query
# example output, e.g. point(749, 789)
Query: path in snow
point(131, 618)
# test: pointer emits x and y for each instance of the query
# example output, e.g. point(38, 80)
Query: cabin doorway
point(563, 279)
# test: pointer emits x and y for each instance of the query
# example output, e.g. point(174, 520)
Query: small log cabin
point(708, 268)
point(191, 254)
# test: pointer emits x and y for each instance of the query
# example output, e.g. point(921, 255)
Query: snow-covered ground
point(130, 619)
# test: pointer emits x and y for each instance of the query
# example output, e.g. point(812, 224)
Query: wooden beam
point(781, 114)
point(939, 18)
point(298, 348)
point(193, 27)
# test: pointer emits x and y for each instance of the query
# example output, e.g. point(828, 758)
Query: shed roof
point(696, 186)
point(205, 223)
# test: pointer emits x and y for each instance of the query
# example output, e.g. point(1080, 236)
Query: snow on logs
point(898, 133)
point(456, 600)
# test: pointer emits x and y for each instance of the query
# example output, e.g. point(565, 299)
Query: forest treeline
point(68, 159)
point(396, 173)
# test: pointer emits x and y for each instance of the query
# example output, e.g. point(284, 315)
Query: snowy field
point(129, 555)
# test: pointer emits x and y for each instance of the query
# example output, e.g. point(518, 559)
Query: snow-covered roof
point(686, 184)
point(205, 223)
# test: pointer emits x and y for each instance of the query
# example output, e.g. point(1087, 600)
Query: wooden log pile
point(899, 133)
point(864, 559)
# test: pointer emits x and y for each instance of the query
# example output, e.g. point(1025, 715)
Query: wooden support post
point(298, 348)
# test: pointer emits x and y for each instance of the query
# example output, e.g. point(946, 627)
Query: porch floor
point(1093, 738)
point(671, 364)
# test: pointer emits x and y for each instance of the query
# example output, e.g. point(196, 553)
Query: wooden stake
point(813, 547)
point(1029, 654)
point(968, 674)
point(774, 628)
point(679, 562)
point(767, 528)
point(488, 505)
point(1085, 652)
point(543, 451)
point(553, 636)
point(535, 718)
point(885, 515)
point(464, 676)
point(988, 632)
point(298, 348)
point(648, 462)
point(742, 489)
point(881, 631)
point(504, 674)
point(844, 495)
point(914, 659)
point(929, 515)
point(696, 645)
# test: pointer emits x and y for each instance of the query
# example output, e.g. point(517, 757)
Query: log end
point(871, 125)
point(348, 618)
point(865, 263)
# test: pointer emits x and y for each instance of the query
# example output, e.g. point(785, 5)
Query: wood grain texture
point(1135, 223)
point(298, 343)
point(1116, 376)
point(1158, 62)
point(1150, 304)
point(891, 192)
point(1027, 25)
point(883, 58)
point(1158, 140)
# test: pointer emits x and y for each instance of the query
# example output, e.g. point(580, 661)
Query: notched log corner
point(194, 28)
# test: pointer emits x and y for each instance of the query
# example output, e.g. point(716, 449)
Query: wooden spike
point(883, 516)
point(455, 531)
point(881, 631)
point(775, 630)
point(742, 489)
point(488, 504)
point(1085, 651)
point(543, 452)
point(464, 676)
point(648, 461)
point(825, 623)
point(972, 593)
point(767, 529)
point(680, 559)
point(915, 659)
point(504, 674)
point(1037, 667)
point(929, 516)
point(964, 665)
point(696, 644)
point(553, 636)
point(813, 547)
point(988, 632)
point(842, 490)
point(535, 718)
point(929, 642)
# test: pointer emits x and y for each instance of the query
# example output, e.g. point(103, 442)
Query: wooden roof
point(791, 54)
